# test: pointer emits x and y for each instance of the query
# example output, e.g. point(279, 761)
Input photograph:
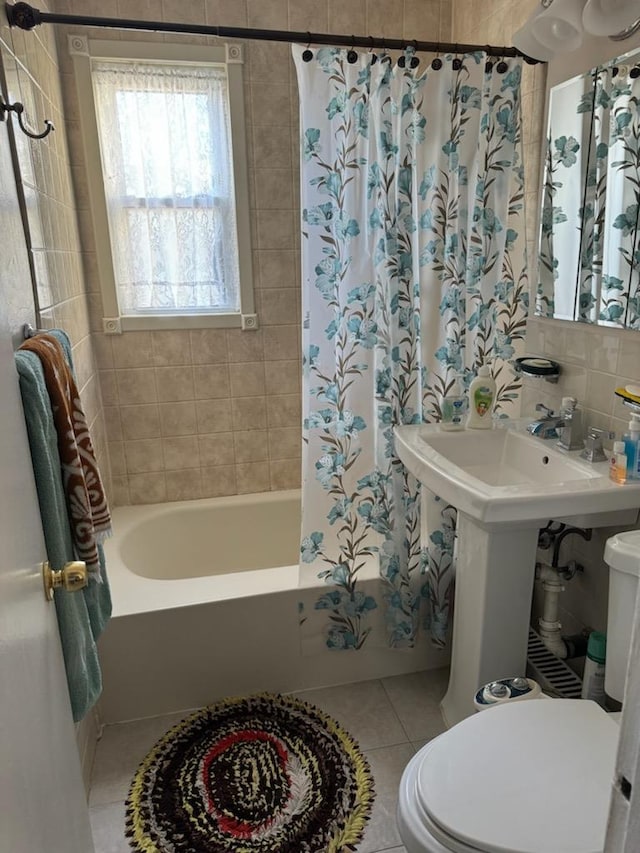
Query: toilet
point(527, 777)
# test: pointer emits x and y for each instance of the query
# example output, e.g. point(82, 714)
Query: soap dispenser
point(631, 443)
point(482, 395)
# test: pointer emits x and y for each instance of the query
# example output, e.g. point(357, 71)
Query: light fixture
point(616, 18)
point(525, 41)
point(559, 26)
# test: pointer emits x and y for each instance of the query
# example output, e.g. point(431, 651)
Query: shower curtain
point(413, 274)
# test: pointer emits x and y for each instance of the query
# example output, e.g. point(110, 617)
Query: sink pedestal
point(494, 585)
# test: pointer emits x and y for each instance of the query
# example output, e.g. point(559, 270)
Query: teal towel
point(81, 616)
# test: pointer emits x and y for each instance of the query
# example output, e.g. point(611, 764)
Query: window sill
point(131, 323)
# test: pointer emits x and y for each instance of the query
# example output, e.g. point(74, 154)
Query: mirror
point(589, 251)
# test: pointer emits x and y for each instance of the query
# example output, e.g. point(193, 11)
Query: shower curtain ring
point(436, 63)
point(374, 58)
point(307, 55)
point(502, 66)
point(457, 62)
point(352, 56)
point(414, 62)
point(488, 66)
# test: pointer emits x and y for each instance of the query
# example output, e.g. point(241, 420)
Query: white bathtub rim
point(132, 594)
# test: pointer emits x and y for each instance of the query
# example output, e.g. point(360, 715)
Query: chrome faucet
point(570, 436)
point(593, 449)
point(548, 425)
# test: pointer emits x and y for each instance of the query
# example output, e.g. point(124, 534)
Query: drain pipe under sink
point(549, 626)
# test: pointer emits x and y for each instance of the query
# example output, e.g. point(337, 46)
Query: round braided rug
point(263, 774)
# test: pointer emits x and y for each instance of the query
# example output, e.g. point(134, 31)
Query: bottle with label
point(631, 441)
point(618, 463)
point(454, 407)
point(482, 395)
point(594, 667)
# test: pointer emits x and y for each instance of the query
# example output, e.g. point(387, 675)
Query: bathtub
point(205, 605)
point(180, 554)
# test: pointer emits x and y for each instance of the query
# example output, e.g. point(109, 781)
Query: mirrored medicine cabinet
point(589, 249)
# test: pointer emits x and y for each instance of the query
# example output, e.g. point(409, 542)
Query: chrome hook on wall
point(18, 109)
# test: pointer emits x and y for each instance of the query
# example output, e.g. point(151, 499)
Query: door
point(42, 799)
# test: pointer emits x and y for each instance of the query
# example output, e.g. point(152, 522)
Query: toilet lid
point(522, 777)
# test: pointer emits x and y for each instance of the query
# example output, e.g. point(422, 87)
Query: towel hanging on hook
point(18, 109)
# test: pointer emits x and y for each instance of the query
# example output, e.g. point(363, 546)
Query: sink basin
point(505, 475)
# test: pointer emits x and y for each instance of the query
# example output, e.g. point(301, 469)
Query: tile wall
point(31, 67)
point(217, 412)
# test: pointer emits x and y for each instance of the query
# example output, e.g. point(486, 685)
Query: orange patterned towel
point(87, 507)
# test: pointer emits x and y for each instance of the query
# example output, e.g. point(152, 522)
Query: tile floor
point(390, 718)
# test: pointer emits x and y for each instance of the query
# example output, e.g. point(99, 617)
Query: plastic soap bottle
point(593, 678)
point(631, 441)
point(453, 407)
point(482, 395)
point(618, 463)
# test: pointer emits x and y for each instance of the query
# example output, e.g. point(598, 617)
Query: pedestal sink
point(505, 485)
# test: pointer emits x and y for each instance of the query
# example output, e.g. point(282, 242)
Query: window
point(163, 127)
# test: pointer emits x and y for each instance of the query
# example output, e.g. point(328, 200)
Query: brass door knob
point(72, 577)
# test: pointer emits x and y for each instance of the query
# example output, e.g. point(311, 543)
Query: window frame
point(83, 50)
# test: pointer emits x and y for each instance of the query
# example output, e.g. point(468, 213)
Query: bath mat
point(262, 774)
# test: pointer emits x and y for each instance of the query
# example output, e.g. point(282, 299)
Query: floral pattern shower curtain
point(414, 273)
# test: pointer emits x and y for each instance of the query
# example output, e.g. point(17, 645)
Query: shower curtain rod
point(27, 17)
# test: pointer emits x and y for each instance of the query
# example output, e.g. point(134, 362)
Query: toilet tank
point(622, 553)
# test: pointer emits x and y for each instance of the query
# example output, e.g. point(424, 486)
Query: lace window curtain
point(165, 141)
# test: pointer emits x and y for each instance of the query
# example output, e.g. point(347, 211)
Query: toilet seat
point(529, 777)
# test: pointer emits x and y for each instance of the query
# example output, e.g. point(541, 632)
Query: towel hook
point(18, 109)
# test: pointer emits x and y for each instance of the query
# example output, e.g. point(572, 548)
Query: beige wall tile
point(249, 413)
point(308, 16)
point(174, 383)
point(245, 346)
point(348, 17)
point(139, 422)
point(285, 443)
point(136, 386)
point(284, 410)
point(108, 387)
point(269, 16)
point(216, 449)
point(209, 346)
point(281, 343)
point(132, 349)
point(275, 229)
point(113, 424)
point(119, 495)
point(247, 379)
point(252, 477)
point(226, 13)
point(219, 481)
point(183, 485)
point(116, 458)
point(271, 103)
point(279, 306)
point(211, 381)
point(251, 446)
point(277, 268)
point(213, 416)
point(171, 346)
point(147, 488)
point(283, 377)
point(143, 455)
point(285, 474)
point(177, 418)
point(181, 452)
